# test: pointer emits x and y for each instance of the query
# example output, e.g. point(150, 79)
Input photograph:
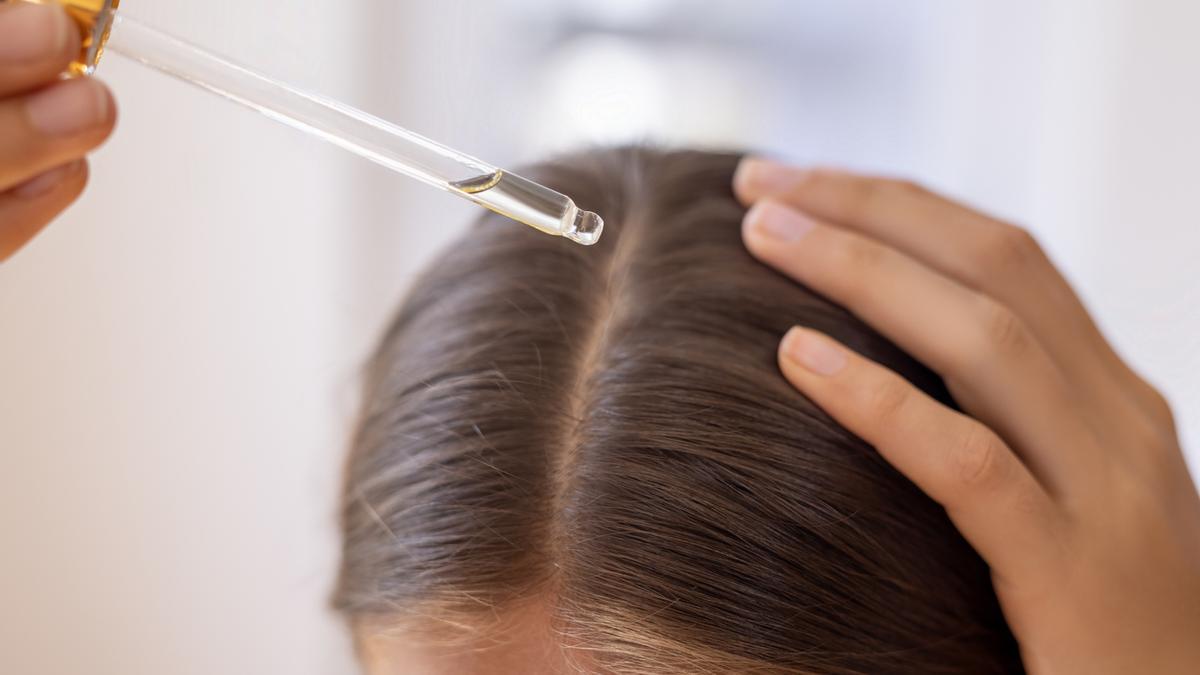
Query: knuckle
point(874, 196)
point(1159, 407)
point(1028, 500)
point(887, 401)
point(1003, 331)
point(975, 461)
point(1008, 250)
point(82, 179)
point(1148, 437)
point(853, 266)
point(856, 255)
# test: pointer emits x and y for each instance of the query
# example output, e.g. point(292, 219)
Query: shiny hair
point(606, 428)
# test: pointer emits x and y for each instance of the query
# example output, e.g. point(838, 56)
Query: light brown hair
point(606, 429)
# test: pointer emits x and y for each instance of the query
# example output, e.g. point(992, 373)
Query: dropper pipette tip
point(585, 229)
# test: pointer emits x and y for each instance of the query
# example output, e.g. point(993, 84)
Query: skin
point(47, 125)
point(1066, 472)
point(525, 642)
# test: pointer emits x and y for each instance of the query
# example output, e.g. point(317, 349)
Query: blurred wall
point(179, 354)
point(175, 378)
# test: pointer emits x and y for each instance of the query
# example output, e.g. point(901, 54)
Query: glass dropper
point(366, 135)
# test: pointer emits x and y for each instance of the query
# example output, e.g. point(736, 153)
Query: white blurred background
point(179, 354)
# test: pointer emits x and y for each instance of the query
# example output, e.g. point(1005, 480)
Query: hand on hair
point(46, 125)
point(1067, 477)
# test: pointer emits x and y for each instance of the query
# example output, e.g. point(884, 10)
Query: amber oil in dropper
point(525, 201)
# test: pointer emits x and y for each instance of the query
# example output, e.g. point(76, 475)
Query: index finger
point(37, 43)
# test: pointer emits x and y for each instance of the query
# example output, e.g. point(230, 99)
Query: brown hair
point(607, 428)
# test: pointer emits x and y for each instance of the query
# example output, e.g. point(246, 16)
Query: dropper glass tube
point(366, 135)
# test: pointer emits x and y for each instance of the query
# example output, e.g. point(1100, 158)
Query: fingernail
point(813, 351)
point(778, 222)
point(29, 32)
point(69, 108)
point(43, 183)
point(756, 177)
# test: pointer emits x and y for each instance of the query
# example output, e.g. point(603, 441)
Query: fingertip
point(743, 181)
point(76, 182)
point(758, 177)
point(814, 352)
point(751, 178)
point(27, 209)
point(104, 106)
point(73, 182)
point(787, 346)
point(70, 189)
point(47, 181)
point(79, 111)
point(758, 244)
point(770, 223)
point(107, 103)
point(750, 221)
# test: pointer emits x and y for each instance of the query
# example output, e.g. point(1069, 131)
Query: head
point(581, 459)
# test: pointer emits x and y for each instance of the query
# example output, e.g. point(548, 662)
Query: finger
point(999, 259)
point(51, 127)
point(998, 506)
point(27, 208)
point(37, 43)
point(994, 366)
